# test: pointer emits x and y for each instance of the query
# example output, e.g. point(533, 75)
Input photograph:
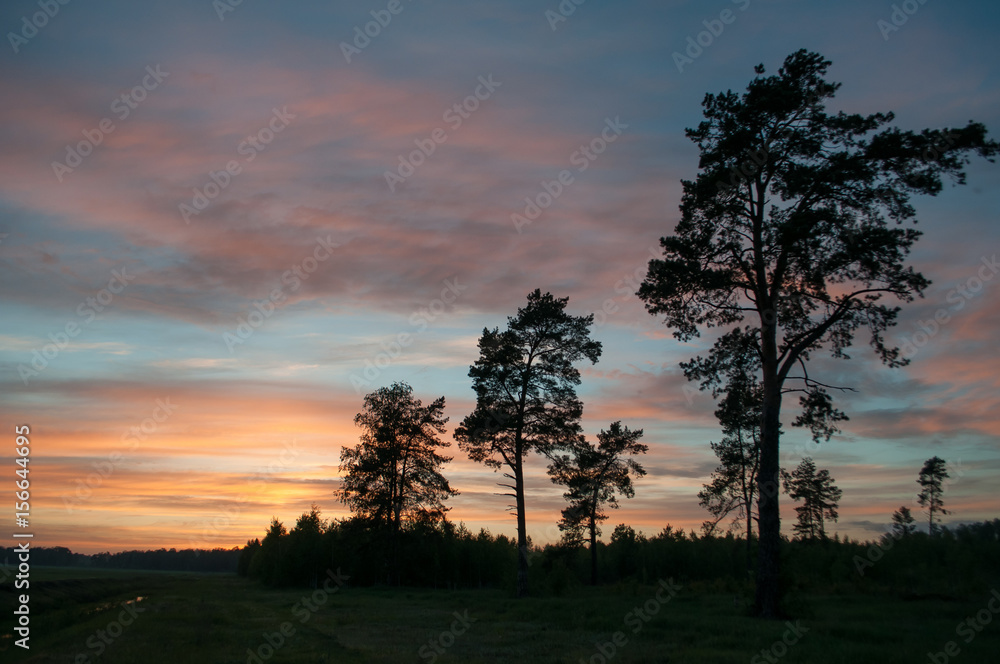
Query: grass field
point(78, 616)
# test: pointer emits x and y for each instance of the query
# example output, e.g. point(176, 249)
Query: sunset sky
point(197, 192)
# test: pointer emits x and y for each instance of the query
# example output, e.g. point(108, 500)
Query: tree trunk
point(522, 532)
point(395, 490)
point(768, 596)
point(748, 494)
point(593, 550)
point(394, 548)
point(749, 534)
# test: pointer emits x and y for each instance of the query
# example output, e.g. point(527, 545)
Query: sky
point(222, 223)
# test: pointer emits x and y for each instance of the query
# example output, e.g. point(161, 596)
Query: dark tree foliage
point(903, 522)
point(305, 550)
point(394, 473)
point(732, 486)
point(246, 556)
point(443, 555)
point(819, 495)
point(793, 237)
point(526, 398)
point(594, 476)
point(931, 496)
point(268, 564)
point(432, 555)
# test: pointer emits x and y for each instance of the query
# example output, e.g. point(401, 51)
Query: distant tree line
point(951, 562)
point(168, 560)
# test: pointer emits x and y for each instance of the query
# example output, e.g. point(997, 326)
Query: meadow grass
point(191, 618)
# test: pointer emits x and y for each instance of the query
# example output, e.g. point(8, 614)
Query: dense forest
point(914, 564)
